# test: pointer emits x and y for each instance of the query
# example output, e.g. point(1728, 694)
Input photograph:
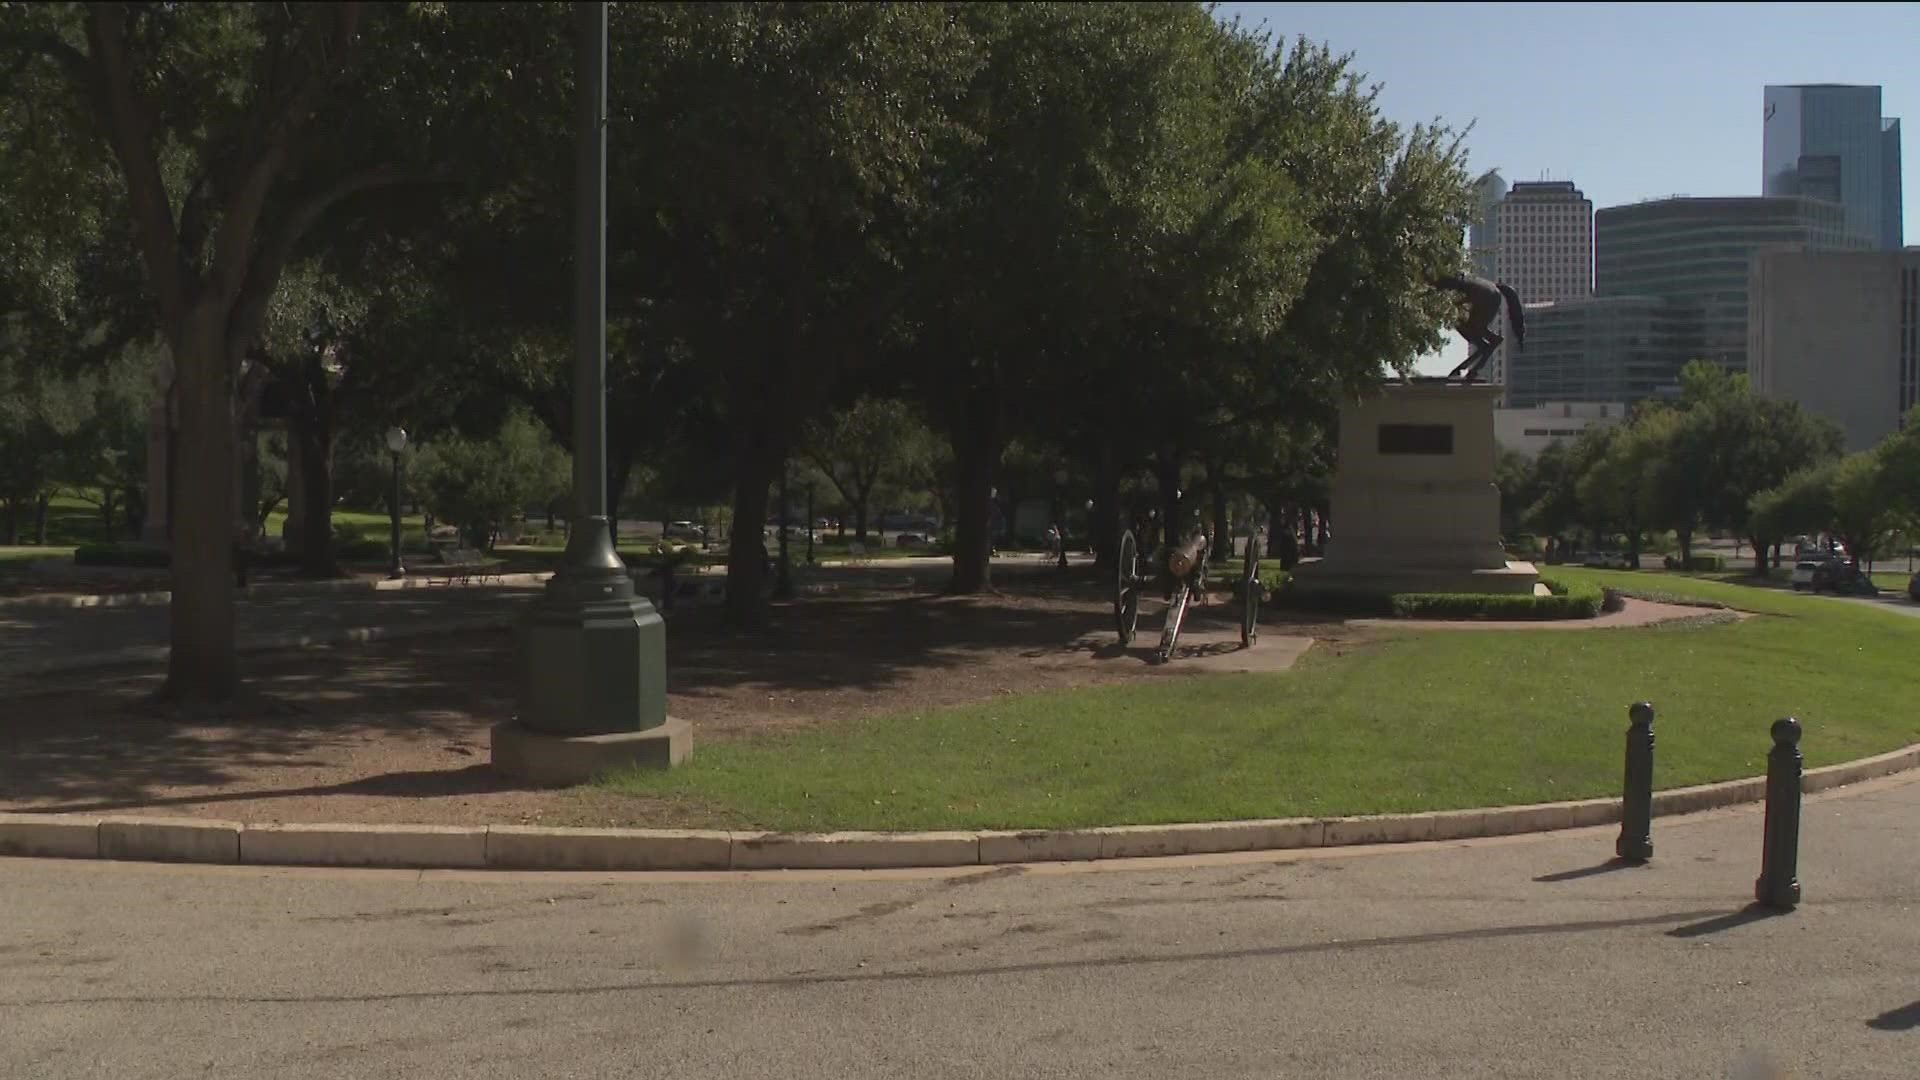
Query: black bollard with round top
point(1779, 883)
point(1635, 844)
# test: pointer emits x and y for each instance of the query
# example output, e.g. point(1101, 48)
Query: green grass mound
point(1422, 720)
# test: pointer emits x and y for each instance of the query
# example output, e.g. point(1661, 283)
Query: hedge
point(1568, 601)
point(116, 555)
point(1698, 562)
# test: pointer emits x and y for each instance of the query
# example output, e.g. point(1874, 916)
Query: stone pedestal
point(593, 686)
point(547, 760)
point(1415, 506)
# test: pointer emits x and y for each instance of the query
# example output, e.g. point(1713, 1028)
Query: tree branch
point(267, 157)
point(276, 251)
point(130, 131)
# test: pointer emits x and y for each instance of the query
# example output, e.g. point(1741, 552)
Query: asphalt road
point(1518, 957)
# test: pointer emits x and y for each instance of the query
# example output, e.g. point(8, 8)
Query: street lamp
point(1060, 511)
point(397, 443)
point(593, 655)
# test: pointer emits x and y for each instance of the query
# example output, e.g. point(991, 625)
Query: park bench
point(462, 565)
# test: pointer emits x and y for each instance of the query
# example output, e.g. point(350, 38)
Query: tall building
point(1483, 246)
point(1698, 253)
point(1840, 334)
point(1546, 241)
point(1602, 349)
point(1827, 141)
point(1543, 248)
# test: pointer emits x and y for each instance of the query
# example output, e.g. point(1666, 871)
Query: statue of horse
point(1485, 299)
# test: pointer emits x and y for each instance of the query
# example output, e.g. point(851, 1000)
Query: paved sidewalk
point(33, 638)
point(1522, 957)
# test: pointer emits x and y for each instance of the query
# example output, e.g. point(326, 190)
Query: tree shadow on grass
point(339, 719)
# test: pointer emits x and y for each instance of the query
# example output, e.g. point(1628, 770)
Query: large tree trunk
point(315, 437)
point(1166, 475)
point(202, 665)
point(859, 521)
point(293, 527)
point(976, 450)
point(136, 512)
point(1105, 525)
point(747, 549)
point(1222, 540)
point(12, 521)
point(40, 520)
point(1684, 538)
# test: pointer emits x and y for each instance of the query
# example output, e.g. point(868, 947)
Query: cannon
point(1181, 571)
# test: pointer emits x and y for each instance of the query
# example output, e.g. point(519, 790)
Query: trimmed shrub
point(1568, 601)
point(360, 549)
point(116, 555)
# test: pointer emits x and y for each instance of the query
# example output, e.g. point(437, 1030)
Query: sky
point(1628, 101)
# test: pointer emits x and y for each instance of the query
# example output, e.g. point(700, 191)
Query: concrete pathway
point(1518, 957)
point(32, 638)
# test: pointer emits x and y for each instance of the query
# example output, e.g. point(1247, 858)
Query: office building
point(1483, 231)
point(1543, 249)
point(1602, 349)
point(1840, 334)
point(1698, 253)
point(1531, 429)
point(1829, 142)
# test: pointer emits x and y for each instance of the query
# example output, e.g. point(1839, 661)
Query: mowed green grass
point(1419, 721)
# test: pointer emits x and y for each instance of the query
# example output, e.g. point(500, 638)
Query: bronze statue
point(1484, 302)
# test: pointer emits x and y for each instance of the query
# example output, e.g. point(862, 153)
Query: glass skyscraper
point(1827, 141)
point(1699, 253)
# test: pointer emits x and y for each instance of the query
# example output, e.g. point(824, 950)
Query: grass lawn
point(1419, 720)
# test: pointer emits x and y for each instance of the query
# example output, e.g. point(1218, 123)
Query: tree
point(235, 131)
point(1800, 504)
point(1867, 513)
point(481, 485)
point(858, 447)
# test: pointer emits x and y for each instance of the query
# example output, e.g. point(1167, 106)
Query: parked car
point(1807, 567)
point(912, 540)
point(1843, 578)
point(1607, 560)
point(685, 530)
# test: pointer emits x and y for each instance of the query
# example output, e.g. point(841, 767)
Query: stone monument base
point(547, 760)
point(1317, 575)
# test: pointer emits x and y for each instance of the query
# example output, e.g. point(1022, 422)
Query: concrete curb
point(349, 635)
point(522, 847)
point(270, 589)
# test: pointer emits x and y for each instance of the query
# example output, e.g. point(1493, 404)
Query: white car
point(685, 530)
point(1606, 560)
point(1804, 568)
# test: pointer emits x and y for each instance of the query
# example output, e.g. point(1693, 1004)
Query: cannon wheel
point(1250, 587)
point(1126, 592)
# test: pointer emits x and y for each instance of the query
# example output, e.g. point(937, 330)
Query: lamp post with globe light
point(396, 444)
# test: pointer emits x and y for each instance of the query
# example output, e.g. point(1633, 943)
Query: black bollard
point(1636, 801)
point(1779, 884)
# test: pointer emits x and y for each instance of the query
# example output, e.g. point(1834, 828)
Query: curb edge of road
point(266, 589)
point(520, 847)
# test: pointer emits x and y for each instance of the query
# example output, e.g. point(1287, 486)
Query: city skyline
point(1584, 93)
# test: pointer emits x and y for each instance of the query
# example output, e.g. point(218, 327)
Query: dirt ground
point(398, 731)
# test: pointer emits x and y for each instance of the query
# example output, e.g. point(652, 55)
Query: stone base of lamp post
point(546, 760)
point(593, 688)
